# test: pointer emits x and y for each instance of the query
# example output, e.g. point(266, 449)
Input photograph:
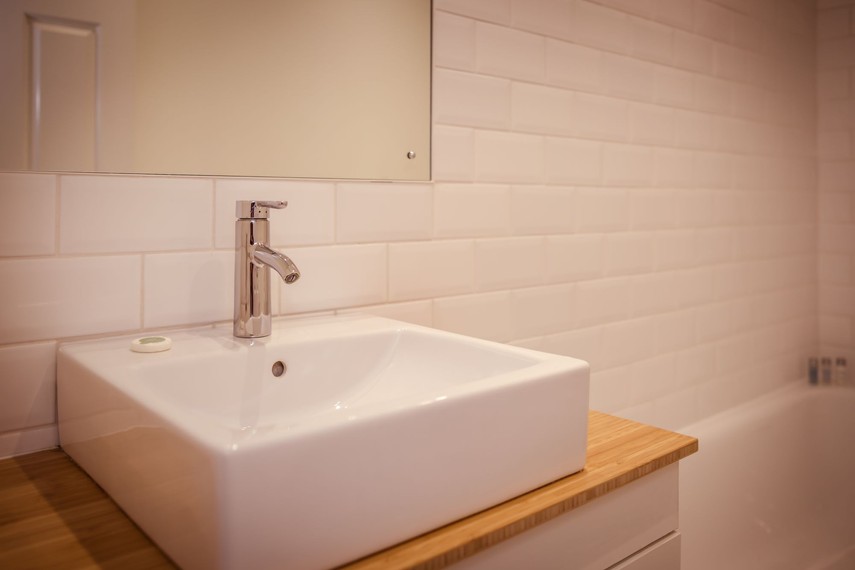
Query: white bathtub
point(773, 485)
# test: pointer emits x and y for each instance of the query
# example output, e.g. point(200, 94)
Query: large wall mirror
point(285, 88)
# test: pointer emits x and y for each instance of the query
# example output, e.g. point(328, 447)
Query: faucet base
point(253, 327)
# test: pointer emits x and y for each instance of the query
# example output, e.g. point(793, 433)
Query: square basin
point(331, 439)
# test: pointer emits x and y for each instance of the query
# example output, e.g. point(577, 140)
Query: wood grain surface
point(52, 515)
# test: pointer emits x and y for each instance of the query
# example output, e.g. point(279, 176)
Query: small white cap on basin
point(151, 344)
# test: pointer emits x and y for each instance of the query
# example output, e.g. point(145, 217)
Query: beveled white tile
point(508, 263)
point(430, 269)
point(654, 377)
point(734, 354)
point(629, 78)
point(837, 238)
point(603, 300)
point(453, 154)
point(832, 84)
point(627, 165)
point(573, 161)
point(651, 40)
point(508, 157)
point(574, 66)
point(714, 245)
point(695, 130)
point(374, 212)
point(692, 286)
point(579, 343)
point(601, 27)
point(510, 53)
point(336, 276)
point(471, 100)
point(574, 257)
point(674, 87)
point(599, 117)
point(188, 288)
point(836, 52)
point(836, 176)
point(675, 249)
point(28, 384)
point(836, 268)
point(674, 168)
point(729, 281)
point(676, 331)
point(835, 207)
point(695, 365)
point(484, 315)
point(836, 330)
point(833, 23)
point(653, 208)
point(602, 209)
point(638, 7)
point(611, 388)
point(713, 322)
point(695, 208)
point(675, 410)
point(547, 17)
point(471, 210)
point(651, 294)
point(27, 214)
point(416, 312)
point(652, 124)
point(628, 252)
point(677, 13)
point(628, 342)
point(834, 145)
point(714, 22)
point(498, 11)
point(111, 214)
point(837, 300)
point(453, 41)
point(542, 109)
point(308, 219)
point(542, 210)
point(53, 298)
point(713, 170)
point(542, 310)
point(712, 94)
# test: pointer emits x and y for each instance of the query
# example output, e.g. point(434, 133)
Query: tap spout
point(279, 262)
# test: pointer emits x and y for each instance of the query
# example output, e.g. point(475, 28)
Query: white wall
point(835, 140)
point(631, 182)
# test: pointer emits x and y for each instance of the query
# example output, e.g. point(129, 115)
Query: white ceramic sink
point(376, 432)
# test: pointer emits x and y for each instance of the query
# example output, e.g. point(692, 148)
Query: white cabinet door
point(664, 554)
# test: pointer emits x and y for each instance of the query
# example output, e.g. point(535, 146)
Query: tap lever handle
point(277, 204)
point(257, 209)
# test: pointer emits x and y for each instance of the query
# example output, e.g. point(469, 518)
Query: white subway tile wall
point(835, 91)
point(630, 182)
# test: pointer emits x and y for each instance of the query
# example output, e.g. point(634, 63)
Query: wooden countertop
point(53, 515)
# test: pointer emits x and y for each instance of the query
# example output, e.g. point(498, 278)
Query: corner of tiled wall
point(835, 88)
point(628, 182)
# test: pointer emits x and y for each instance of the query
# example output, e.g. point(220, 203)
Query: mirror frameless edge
point(322, 89)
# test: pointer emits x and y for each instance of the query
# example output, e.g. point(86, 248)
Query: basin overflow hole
point(279, 368)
